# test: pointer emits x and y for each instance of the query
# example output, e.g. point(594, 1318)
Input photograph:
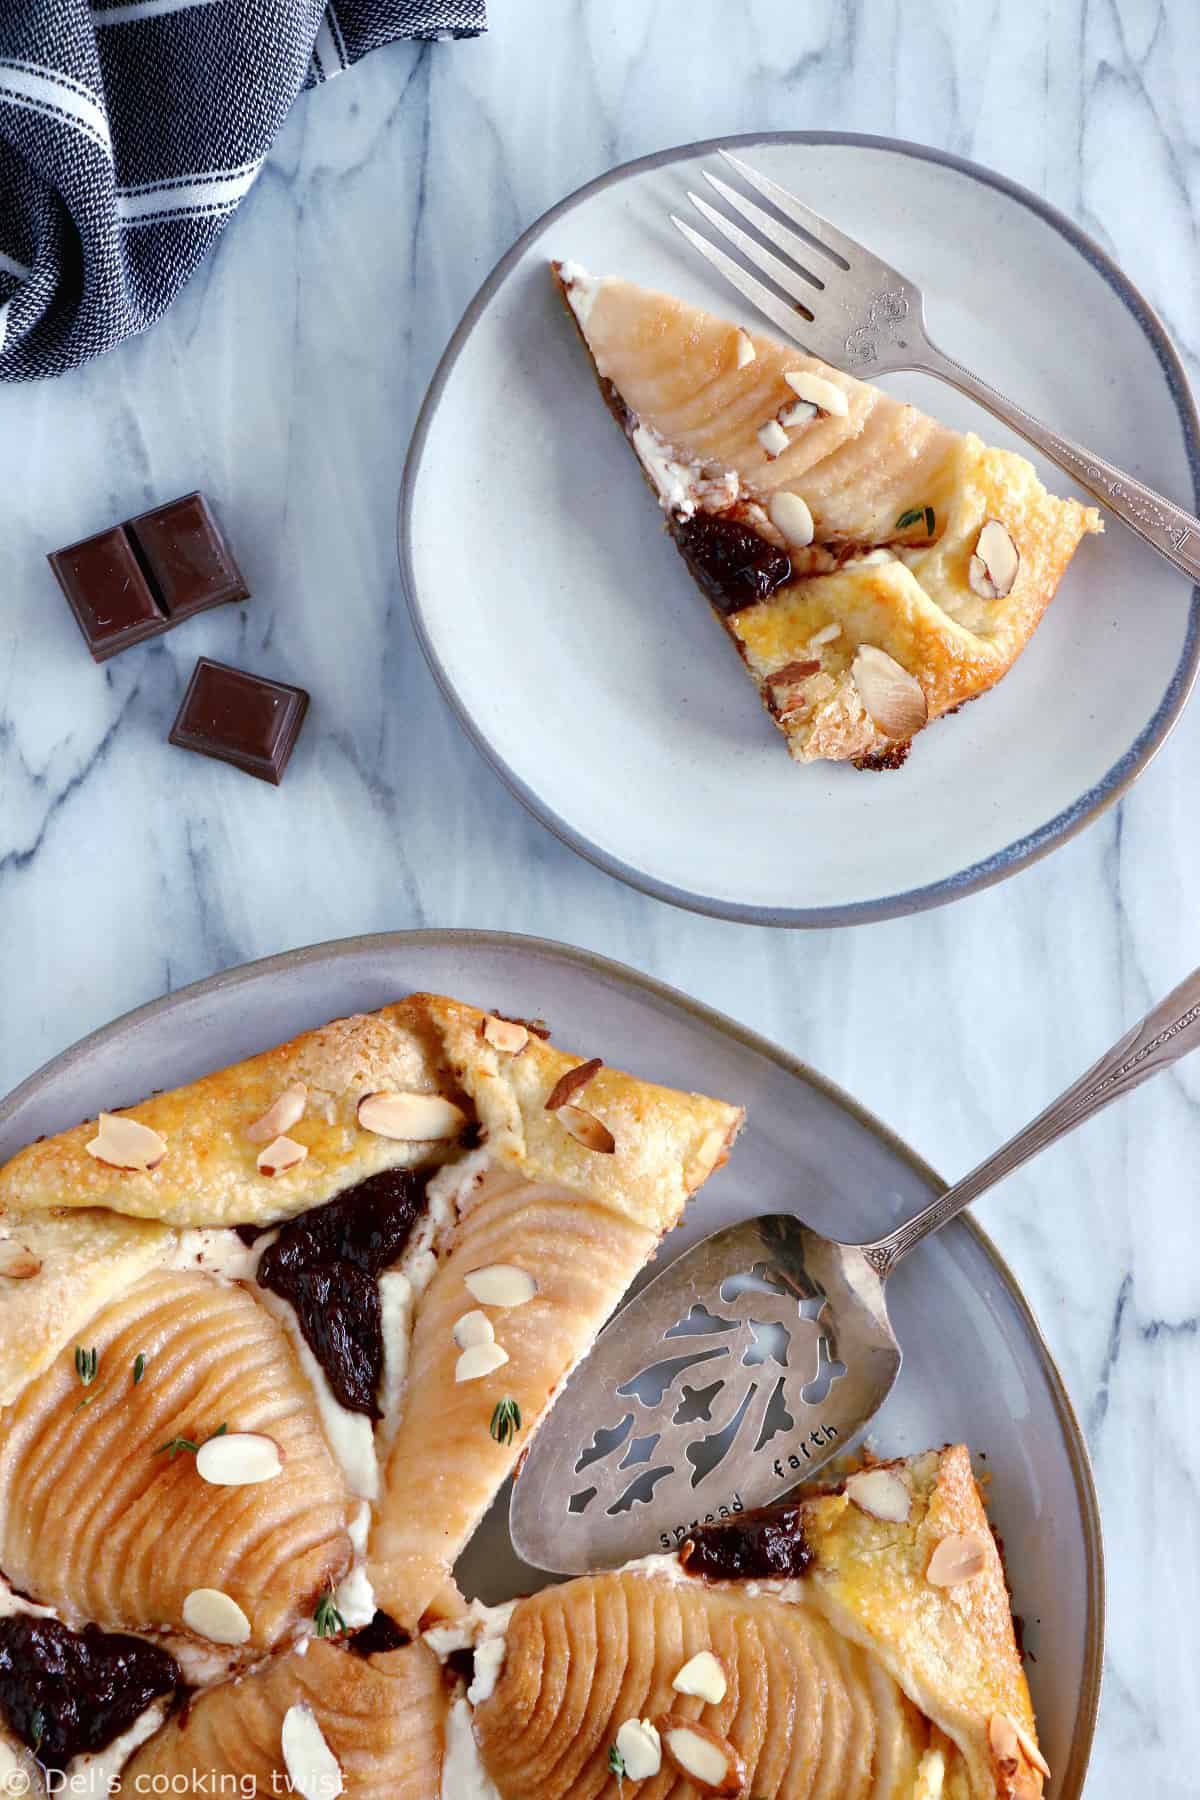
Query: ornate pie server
point(758, 1355)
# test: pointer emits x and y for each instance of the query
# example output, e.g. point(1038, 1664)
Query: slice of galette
point(269, 1345)
point(874, 568)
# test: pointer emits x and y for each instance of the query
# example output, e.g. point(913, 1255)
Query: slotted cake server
point(759, 1354)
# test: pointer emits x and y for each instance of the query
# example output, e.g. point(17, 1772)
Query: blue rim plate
point(568, 639)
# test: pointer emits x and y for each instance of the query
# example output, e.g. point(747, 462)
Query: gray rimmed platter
point(977, 1367)
point(565, 632)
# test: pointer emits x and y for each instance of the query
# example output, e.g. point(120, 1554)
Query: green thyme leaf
point(37, 1728)
point(139, 1367)
point(175, 1445)
point(328, 1619)
point(914, 516)
point(616, 1766)
point(506, 1421)
point(86, 1364)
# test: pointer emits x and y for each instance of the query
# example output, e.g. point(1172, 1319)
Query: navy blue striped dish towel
point(129, 132)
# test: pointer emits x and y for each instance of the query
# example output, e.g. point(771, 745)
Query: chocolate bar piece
point(242, 719)
point(138, 579)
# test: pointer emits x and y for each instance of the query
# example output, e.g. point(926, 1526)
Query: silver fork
point(855, 311)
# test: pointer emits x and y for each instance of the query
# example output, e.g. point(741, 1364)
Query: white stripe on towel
point(23, 84)
point(142, 9)
point(197, 193)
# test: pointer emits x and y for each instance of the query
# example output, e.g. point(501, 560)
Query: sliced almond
point(881, 1493)
point(700, 1755)
point(501, 1284)
point(992, 571)
point(957, 1558)
point(124, 1143)
point(1003, 1739)
point(1031, 1750)
point(286, 1110)
point(413, 1118)
point(283, 1154)
point(213, 1615)
point(828, 634)
point(505, 1034)
point(789, 513)
point(746, 352)
point(313, 1768)
point(586, 1129)
point(239, 1459)
point(703, 1676)
point(821, 393)
point(773, 438)
point(18, 1263)
point(800, 412)
point(640, 1749)
point(570, 1084)
point(894, 698)
point(473, 1328)
point(479, 1360)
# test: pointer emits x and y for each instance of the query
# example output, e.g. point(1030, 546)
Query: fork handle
point(1166, 527)
point(1172, 1030)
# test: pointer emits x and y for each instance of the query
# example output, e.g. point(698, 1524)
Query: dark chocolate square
point(107, 592)
point(246, 720)
point(186, 557)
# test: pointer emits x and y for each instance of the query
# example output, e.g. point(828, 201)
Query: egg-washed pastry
point(857, 1645)
point(269, 1345)
point(874, 568)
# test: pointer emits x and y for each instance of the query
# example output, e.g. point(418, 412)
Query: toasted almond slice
point(828, 634)
point(283, 1154)
point(16, 1262)
point(413, 1118)
point(798, 413)
point(773, 438)
point(818, 391)
point(286, 1110)
point(789, 513)
point(746, 352)
point(586, 1129)
point(1031, 1750)
point(703, 1676)
point(473, 1328)
point(882, 1494)
point(700, 1755)
point(501, 1284)
point(957, 1558)
point(570, 1084)
point(641, 1749)
point(894, 698)
point(1003, 1739)
point(125, 1143)
point(992, 571)
point(239, 1459)
point(213, 1615)
point(479, 1360)
point(313, 1768)
point(508, 1035)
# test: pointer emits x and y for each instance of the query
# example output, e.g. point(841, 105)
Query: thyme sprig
point(616, 1766)
point(327, 1618)
point(139, 1367)
point(506, 1421)
point(86, 1364)
point(176, 1444)
point(913, 517)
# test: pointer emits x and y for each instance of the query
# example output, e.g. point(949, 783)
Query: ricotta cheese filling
point(96, 1772)
point(463, 1774)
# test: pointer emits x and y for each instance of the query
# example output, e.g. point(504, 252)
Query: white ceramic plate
point(563, 627)
point(976, 1367)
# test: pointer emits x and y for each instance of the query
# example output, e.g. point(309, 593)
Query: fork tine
point(837, 246)
point(782, 236)
point(754, 252)
point(786, 317)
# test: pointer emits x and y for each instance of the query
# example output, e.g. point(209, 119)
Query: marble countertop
point(285, 384)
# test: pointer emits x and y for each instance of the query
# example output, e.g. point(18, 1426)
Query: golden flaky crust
point(674, 369)
point(858, 1678)
point(667, 1142)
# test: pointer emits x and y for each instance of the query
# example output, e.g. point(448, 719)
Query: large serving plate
point(567, 634)
point(976, 1366)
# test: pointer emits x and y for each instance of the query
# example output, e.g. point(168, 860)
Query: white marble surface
point(285, 384)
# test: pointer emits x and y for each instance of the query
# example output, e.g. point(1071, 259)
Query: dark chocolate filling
point(66, 1693)
point(765, 1545)
point(380, 1635)
point(733, 565)
point(327, 1264)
